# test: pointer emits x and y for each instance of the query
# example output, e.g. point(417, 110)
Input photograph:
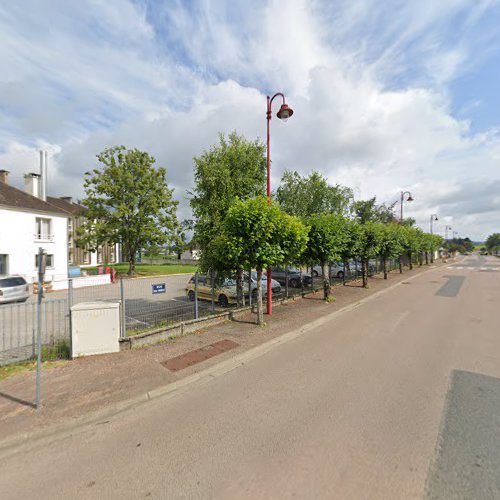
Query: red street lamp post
point(410, 198)
point(283, 114)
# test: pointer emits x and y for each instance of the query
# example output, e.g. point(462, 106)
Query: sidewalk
point(76, 388)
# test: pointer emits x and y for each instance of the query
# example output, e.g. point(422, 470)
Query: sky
point(399, 95)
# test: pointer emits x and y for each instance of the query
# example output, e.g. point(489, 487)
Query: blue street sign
point(159, 288)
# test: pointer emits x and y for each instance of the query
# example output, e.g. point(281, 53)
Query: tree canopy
point(234, 169)
point(304, 196)
point(258, 235)
point(128, 201)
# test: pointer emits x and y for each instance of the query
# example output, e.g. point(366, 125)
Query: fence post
point(70, 304)
point(212, 285)
point(195, 295)
point(250, 288)
point(123, 329)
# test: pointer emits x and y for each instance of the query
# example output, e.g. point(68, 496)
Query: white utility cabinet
point(95, 328)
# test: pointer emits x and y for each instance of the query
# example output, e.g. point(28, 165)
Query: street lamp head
point(285, 112)
point(410, 198)
point(436, 217)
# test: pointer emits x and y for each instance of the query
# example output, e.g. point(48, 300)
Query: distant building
point(105, 254)
point(28, 222)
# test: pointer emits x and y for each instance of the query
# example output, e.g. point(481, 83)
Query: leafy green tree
point(328, 237)
point(392, 241)
point(368, 211)
point(129, 202)
point(258, 235)
point(368, 245)
point(304, 196)
point(492, 243)
point(234, 169)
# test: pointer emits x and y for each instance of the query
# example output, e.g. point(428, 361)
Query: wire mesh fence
point(155, 302)
point(18, 331)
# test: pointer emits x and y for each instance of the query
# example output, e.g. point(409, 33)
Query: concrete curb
point(30, 440)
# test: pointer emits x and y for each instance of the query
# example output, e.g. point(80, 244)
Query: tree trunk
point(426, 258)
point(384, 267)
point(260, 311)
point(410, 260)
point(400, 265)
point(432, 257)
point(326, 280)
point(364, 272)
point(240, 297)
point(131, 264)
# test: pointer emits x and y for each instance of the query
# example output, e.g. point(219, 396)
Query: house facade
point(81, 257)
point(28, 223)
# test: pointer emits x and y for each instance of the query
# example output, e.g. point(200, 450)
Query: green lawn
point(156, 269)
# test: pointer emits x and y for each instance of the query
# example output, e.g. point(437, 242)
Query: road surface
point(397, 398)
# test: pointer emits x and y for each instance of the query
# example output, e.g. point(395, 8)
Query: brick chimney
point(4, 176)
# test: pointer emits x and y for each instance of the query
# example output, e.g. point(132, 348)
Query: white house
point(27, 222)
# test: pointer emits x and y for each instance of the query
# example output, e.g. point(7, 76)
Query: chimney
point(69, 199)
point(4, 176)
point(32, 184)
point(43, 175)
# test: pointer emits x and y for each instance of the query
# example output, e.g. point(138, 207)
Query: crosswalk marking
point(472, 268)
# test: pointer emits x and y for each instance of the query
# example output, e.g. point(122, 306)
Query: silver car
point(13, 289)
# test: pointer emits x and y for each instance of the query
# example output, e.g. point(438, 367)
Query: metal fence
point(18, 323)
point(146, 304)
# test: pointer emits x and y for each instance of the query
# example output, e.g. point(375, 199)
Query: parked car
point(13, 289)
point(337, 270)
point(225, 291)
point(295, 277)
point(275, 284)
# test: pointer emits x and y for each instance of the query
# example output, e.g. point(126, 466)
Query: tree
point(392, 240)
point(328, 238)
point(368, 245)
point(304, 196)
point(368, 211)
point(258, 235)
point(492, 243)
point(234, 169)
point(129, 202)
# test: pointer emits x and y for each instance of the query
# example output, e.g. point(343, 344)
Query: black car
point(295, 277)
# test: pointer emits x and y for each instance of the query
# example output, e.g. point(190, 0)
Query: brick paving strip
point(77, 388)
point(198, 355)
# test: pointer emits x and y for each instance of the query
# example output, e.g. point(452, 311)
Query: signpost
point(158, 288)
point(42, 258)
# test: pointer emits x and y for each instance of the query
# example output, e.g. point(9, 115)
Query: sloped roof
point(65, 205)
point(15, 198)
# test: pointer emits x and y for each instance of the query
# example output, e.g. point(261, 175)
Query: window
point(10, 282)
point(70, 256)
point(99, 255)
point(112, 256)
point(43, 229)
point(70, 225)
point(86, 257)
point(48, 263)
point(4, 260)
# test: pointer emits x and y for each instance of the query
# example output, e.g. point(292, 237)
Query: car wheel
point(191, 295)
point(315, 273)
point(294, 283)
point(340, 275)
point(223, 302)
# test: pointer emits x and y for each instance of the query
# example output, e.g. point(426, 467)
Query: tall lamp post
point(446, 229)
point(283, 114)
point(432, 219)
point(410, 198)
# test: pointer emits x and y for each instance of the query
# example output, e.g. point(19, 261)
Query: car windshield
point(15, 281)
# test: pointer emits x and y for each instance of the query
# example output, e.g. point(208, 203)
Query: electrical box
point(95, 328)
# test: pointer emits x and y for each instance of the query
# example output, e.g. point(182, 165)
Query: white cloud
point(100, 75)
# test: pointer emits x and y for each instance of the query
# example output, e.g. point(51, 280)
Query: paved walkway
point(76, 388)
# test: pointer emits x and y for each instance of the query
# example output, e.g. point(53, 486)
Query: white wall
point(18, 241)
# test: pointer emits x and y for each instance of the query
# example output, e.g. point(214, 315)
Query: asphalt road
point(397, 398)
